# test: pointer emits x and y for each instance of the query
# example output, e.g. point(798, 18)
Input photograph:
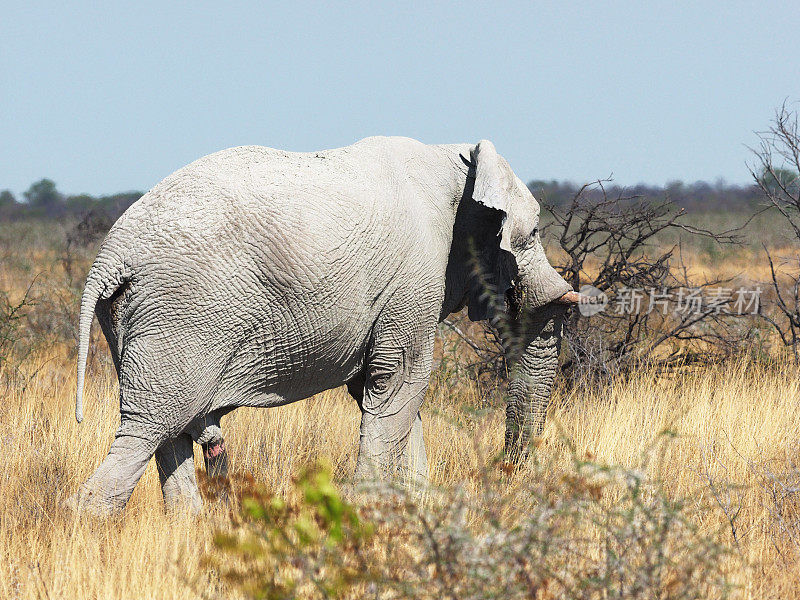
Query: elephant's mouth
point(573, 298)
point(515, 300)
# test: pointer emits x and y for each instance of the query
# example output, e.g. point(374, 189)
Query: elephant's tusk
point(576, 298)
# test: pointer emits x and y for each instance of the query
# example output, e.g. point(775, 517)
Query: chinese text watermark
point(682, 300)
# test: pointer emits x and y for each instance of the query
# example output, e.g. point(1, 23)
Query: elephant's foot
point(388, 475)
point(207, 432)
point(91, 502)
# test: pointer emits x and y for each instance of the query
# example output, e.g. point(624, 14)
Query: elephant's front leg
point(415, 455)
point(391, 442)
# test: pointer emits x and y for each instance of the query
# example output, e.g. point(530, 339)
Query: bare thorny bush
point(777, 173)
point(777, 477)
point(12, 314)
point(44, 313)
point(657, 313)
point(89, 230)
point(588, 531)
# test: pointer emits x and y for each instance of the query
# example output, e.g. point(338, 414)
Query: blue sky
point(115, 97)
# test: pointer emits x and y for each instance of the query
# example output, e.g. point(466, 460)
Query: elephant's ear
point(492, 181)
point(496, 187)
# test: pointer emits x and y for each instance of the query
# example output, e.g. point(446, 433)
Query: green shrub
point(590, 531)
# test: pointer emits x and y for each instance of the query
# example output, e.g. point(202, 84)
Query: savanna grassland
point(684, 484)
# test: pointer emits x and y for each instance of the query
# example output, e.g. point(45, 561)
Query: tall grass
point(734, 453)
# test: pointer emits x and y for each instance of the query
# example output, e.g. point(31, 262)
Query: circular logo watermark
point(593, 301)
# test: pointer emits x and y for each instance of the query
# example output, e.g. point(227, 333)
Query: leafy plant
point(588, 531)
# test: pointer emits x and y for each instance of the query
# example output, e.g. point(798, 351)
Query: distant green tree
point(675, 187)
point(7, 198)
point(776, 180)
point(81, 202)
point(43, 194)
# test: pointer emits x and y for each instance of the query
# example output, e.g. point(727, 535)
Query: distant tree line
point(43, 200)
point(694, 197)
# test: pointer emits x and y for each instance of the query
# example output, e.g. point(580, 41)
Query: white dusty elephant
point(257, 277)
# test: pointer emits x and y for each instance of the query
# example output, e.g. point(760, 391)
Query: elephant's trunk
point(536, 306)
point(533, 371)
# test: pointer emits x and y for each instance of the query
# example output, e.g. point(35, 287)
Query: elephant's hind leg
point(175, 461)
point(109, 488)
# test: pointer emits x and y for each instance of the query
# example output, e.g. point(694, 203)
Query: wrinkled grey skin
point(257, 277)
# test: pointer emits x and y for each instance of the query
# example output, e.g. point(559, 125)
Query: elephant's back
point(258, 205)
point(273, 189)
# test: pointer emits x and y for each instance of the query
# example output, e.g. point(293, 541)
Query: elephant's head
point(513, 284)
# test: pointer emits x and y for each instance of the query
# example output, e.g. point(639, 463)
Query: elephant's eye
point(380, 382)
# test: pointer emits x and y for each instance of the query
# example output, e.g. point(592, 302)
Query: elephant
point(259, 277)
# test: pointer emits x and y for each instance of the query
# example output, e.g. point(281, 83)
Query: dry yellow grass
point(732, 424)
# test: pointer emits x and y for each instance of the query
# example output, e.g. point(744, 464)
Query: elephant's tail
point(101, 282)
